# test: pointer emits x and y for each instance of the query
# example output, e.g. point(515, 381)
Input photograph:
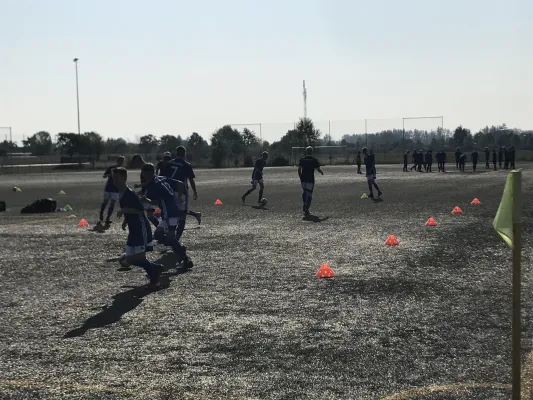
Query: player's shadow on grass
point(314, 218)
point(127, 301)
point(99, 228)
point(377, 200)
point(260, 208)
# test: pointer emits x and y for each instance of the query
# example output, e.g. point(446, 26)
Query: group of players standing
point(425, 160)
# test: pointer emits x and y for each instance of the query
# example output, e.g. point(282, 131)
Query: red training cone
point(476, 201)
point(83, 223)
point(431, 222)
point(457, 210)
point(325, 271)
point(218, 202)
point(392, 241)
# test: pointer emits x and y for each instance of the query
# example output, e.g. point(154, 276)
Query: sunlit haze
point(174, 67)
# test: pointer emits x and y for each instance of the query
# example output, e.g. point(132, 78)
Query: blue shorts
point(139, 242)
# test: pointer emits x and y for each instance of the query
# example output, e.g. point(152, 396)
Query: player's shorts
point(308, 186)
point(371, 177)
point(256, 181)
point(149, 207)
point(184, 206)
point(111, 196)
point(132, 250)
point(169, 223)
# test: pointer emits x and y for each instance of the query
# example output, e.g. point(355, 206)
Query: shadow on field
point(127, 301)
point(314, 218)
point(260, 208)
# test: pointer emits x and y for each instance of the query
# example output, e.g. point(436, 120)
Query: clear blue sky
point(181, 66)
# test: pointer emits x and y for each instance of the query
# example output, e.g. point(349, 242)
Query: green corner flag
point(503, 222)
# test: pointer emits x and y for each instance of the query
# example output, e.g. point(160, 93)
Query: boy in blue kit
point(140, 235)
point(257, 178)
point(370, 164)
point(158, 191)
point(110, 192)
point(306, 172)
point(181, 170)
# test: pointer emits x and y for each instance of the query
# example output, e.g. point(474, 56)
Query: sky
point(177, 67)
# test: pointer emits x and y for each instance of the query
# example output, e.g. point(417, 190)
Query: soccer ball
point(264, 201)
point(122, 261)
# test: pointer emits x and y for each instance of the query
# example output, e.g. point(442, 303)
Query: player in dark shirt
point(474, 160)
point(306, 172)
point(415, 160)
point(500, 157)
point(494, 159)
point(180, 169)
point(487, 157)
point(161, 164)
point(358, 162)
point(505, 158)
point(429, 161)
point(257, 178)
point(457, 155)
point(111, 194)
point(405, 158)
point(139, 235)
point(370, 164)
point(462, 162)
point(512, 155)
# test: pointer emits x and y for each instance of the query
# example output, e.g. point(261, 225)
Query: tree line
point(229, 146)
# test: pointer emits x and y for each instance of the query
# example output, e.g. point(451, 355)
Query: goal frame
point(296, 149)
point(412, 118)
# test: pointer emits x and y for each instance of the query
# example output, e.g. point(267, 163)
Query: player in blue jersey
point(306, 172)
point(180, 169)
point(111, 194)
point(140, 235)
point(257, 178)
point(370, 164)
point(138, 161)
point(159, 192)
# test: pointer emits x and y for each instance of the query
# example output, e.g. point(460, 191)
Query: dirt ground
point(251, 320)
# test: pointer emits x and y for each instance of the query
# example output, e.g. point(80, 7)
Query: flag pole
point(517, 279)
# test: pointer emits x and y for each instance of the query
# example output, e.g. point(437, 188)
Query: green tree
point(116, 146)
point(95, 144)
point(39, 144)
point(459, 135)
point(306, 128)
point(70, 143)
point(227, 143)
point(169, 143)
point(147, 143)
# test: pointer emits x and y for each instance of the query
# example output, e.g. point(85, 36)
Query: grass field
point(250, 320)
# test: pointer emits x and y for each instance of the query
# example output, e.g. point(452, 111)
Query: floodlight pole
point(77, 94)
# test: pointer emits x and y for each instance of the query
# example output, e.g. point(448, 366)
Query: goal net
point(326, 155)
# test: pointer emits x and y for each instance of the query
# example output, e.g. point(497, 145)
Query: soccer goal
point(326, 155)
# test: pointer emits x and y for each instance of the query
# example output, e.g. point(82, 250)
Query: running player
point(161, 164)
point(111, 194)
point(140, 235)
point(306, 172)
point(405, 158)
point(257, 178)
point(137, 160)
point(370, 164)
point(474, 160)
point(358, 162)
point(181, 170)
point(159, 192)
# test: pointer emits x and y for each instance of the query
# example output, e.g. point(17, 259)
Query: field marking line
point(27, 384)
point(457, 387)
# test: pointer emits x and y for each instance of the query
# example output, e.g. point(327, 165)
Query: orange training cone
point(218, 202)
point(157, 211)
point(325, 271)
point(476, 201)
point(457, 210)
point(83, 223)
point(392, 241)
point(431, 222)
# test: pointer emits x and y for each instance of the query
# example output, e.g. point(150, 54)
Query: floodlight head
point(75, 60)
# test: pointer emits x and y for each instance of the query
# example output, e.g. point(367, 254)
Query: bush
point(280, 161)
point(248, 161)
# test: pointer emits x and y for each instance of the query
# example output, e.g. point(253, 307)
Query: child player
point(306, 172)
point(137, 160)
point(159, 192)
point(181, 170)
point(257, 178)
point(140, 235)
point(370, 164)
point(110, 192)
